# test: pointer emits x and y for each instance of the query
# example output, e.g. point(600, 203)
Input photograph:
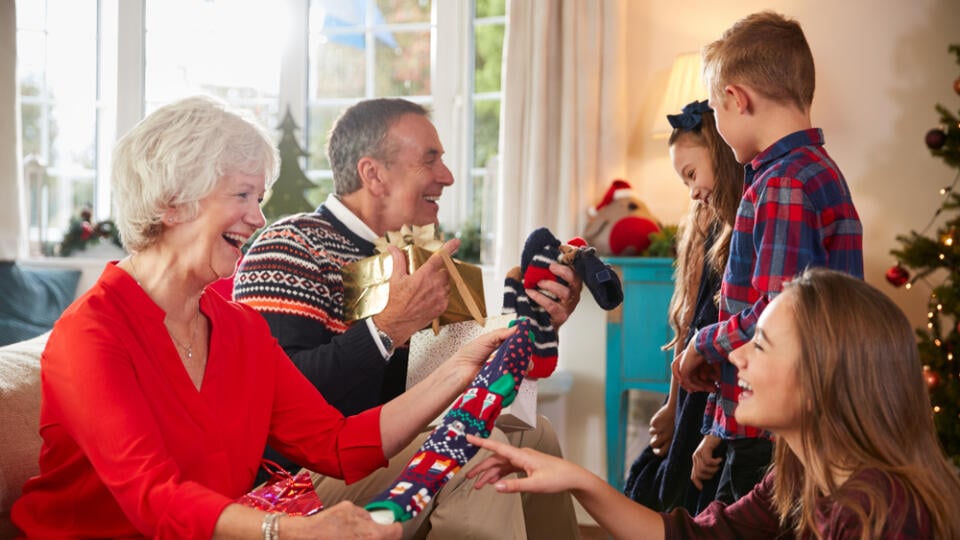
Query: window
point(58, 66)
point(91, 70)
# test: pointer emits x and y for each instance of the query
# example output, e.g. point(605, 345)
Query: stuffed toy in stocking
point(534, 344)
point(541, 249)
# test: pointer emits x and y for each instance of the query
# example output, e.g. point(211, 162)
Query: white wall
point(881, 67)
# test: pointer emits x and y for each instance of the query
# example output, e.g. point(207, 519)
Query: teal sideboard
point(635, 332)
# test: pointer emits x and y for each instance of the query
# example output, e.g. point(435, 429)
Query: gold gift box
point(366, 282)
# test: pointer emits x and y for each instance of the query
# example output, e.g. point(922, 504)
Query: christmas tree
point(935, 260)
point(288, 194)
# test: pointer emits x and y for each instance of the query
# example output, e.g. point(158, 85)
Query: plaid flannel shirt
point(796, 212)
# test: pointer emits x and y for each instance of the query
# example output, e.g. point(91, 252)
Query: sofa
point(19, 421)
point(32, 297)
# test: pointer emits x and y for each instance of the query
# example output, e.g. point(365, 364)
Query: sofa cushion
point(33, 299)
point(19, 421)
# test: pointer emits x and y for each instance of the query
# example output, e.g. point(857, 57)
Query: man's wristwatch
point(385, 340)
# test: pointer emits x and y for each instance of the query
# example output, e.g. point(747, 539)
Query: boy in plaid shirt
point(796, 212)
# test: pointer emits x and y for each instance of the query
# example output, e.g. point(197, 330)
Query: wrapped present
point(292, 494)
point(366, 282)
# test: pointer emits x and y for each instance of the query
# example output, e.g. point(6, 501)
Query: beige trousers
point(460, 511)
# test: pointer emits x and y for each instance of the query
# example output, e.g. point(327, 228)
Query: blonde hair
point(700, 221)
point(866, 407)
point(174, 158)
point(767, 52)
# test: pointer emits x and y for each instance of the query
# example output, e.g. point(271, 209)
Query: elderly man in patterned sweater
point(388, 171)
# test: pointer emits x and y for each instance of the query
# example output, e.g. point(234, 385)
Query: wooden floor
point(592, 532)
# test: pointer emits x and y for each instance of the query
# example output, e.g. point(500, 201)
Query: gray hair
point(361, 131)
point(174, 158)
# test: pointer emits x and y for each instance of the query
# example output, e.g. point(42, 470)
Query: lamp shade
point(685, 85)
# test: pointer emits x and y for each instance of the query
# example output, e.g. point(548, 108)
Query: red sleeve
point(353, 448)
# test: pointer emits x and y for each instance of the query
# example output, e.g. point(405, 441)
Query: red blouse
point(131, 448)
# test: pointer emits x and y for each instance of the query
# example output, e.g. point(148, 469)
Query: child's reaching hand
point(545, 473)
point(615, 513)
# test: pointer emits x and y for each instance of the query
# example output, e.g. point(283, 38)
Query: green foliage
point(470, 242)
point(935, 260)
point(83, 233)
point(663, 243)
point(491, 8)
point(488, 59)
point(949, 153)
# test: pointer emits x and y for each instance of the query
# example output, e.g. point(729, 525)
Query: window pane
point(31, 16)
point(486, 131)
point(227, 48)
point(32, 129)
point(30, 56)
point(491, 8)
point(402, 11)
point(337, 65)
point(71, 82)
point(489, 47)
point(321, 120)
point(58, 68)
point(404, 70)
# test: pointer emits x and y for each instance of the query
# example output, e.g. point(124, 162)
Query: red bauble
point(931, 377)
point(956, 85)
point(898, 275)
point(935, 139)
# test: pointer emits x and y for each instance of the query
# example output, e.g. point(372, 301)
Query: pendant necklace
point(193, 334)
point(188, 348)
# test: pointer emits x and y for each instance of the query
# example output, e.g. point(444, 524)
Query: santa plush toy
point(621, 223)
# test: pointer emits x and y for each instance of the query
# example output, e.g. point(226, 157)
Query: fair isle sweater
point(292, 275)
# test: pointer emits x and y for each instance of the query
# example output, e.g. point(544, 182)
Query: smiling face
point(694, 166)
point(414, 175)
point(768, 376)
point(228, 216)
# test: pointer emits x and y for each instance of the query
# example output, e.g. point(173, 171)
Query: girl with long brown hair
point(834, 372)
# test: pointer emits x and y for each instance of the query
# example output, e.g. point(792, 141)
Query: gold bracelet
point(270, 527)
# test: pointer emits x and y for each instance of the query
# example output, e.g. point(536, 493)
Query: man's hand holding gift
point(415, 299)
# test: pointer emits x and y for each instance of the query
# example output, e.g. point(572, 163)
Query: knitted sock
point(540, 249)
point(447, 449)
point(602, 282)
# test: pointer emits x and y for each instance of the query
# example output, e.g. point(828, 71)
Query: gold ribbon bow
point(428, 238)
point(424, 236)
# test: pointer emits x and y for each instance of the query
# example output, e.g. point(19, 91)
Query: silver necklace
point(188, 348)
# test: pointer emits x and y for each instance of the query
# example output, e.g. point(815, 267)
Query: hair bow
point(690, 117)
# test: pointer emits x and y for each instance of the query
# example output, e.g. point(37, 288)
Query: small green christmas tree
point(936, 261)
point(288, 194)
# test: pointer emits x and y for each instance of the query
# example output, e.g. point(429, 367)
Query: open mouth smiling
point(235, 240)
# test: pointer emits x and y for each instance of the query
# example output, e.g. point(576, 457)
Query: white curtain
point(13, 230)
point(563, 134)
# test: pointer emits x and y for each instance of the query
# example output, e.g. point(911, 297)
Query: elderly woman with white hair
point(158, 398)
